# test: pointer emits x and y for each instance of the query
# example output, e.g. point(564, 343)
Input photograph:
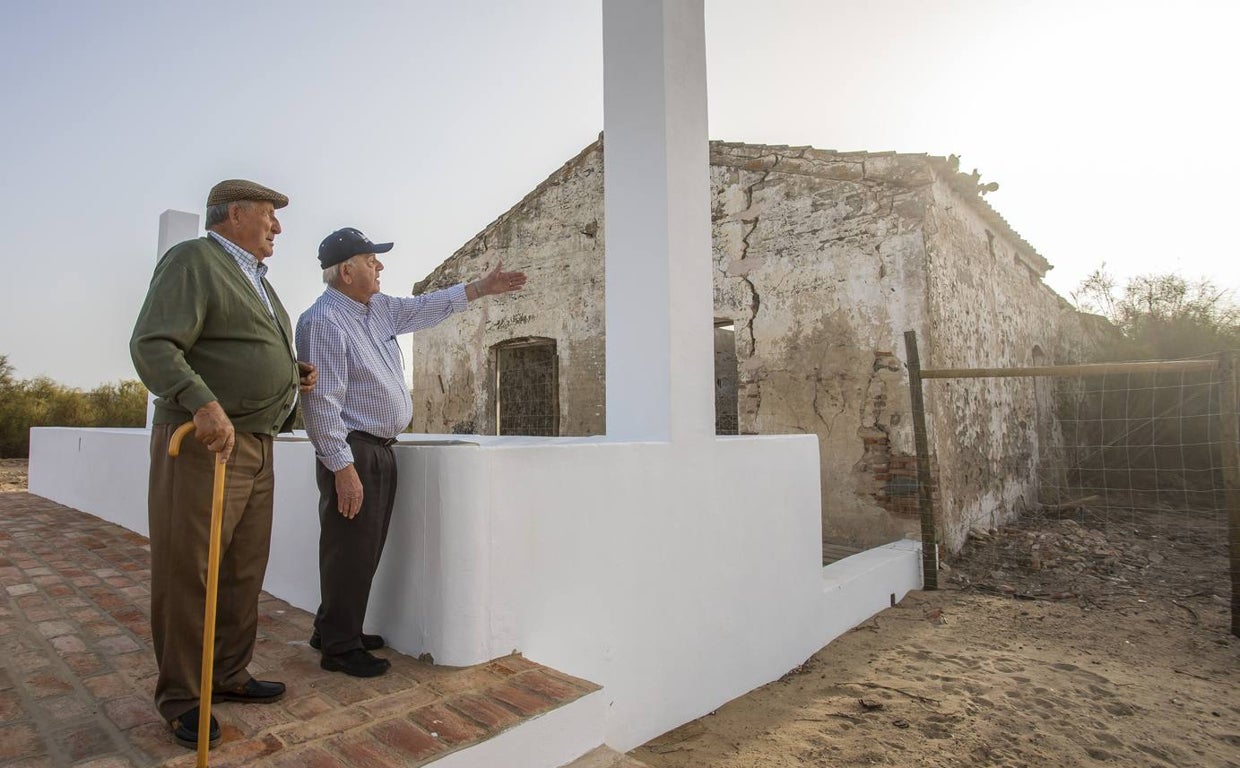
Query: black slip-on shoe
point(185, 730)
point(369, 642)
point(254, 692)
point(357, 662)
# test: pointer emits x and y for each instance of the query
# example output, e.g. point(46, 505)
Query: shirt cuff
point(338, 461)
point(456, 294)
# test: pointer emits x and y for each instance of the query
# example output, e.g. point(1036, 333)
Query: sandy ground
point(12, 475)
point(1052, 644)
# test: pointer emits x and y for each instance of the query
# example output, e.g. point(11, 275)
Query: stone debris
point(1103, 551)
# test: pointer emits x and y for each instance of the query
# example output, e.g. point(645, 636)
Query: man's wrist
point(210, 407)
point(338, 461)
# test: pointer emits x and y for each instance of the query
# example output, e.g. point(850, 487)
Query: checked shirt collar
point(253, 269)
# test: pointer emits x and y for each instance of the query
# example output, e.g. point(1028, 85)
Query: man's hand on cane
point(214, 430)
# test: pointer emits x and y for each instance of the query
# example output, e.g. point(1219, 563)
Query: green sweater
point(204, 334)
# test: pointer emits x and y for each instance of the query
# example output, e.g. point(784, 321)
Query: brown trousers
point(179, 508)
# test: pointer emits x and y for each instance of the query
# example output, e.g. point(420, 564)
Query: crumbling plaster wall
point(555, 236)
point(821, 262)
point(988, 308)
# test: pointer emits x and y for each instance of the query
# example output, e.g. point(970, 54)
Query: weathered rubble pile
point(1063, 558)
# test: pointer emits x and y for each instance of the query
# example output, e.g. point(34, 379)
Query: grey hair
point(331, 275)
point(218, 214)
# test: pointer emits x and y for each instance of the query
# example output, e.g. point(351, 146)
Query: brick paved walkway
point(77, 672)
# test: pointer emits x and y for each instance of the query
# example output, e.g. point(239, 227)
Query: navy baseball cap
point(344, 244)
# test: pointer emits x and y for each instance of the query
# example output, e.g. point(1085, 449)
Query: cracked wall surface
point(821, 261)
point(988, 307)
point(555, 236)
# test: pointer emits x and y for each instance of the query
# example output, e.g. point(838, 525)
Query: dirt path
point(1116, 653)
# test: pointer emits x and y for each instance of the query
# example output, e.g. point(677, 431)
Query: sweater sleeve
point(169, 323)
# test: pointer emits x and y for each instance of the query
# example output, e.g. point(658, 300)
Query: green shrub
point(41, 402)
point(1162, 316)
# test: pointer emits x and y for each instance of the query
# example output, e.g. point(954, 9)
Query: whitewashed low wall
point(676, 577)
point(100, 471)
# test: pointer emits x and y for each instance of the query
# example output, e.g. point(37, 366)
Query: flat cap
point(237, 190)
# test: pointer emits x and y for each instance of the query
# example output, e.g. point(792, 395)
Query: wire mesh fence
point(1136, 492)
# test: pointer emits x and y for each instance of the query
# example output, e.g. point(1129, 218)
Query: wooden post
point(929, 528)
point(1088, 369)
point(1231, 473)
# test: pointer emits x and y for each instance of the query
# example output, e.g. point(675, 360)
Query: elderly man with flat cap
point(353, 416)
point(215, 345)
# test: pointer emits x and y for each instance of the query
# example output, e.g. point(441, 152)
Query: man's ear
point(236, 209)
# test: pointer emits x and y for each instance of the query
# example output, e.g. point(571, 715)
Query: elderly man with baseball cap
point(353, 416)
point(214, 344)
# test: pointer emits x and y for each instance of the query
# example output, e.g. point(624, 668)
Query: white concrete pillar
point(174, 227)
point(660, 355)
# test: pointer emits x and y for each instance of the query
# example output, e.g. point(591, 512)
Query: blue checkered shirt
point(251, 267)
point(361, 374)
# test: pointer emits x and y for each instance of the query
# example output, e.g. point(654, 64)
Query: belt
point(366, 437)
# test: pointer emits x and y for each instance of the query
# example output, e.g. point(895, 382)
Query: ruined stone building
point(822, 261)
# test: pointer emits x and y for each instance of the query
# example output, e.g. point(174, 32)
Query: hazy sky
point(1110, 127)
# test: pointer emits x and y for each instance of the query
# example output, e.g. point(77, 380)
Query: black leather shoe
point(369, 642)
point(185, 730)
point(254, 692)
point(356, 662)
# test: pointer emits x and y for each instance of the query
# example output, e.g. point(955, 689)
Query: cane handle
point(174, 444)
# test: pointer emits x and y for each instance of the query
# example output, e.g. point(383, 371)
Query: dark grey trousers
point(349, 550)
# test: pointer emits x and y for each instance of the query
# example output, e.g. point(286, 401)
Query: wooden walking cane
point(213, 580)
